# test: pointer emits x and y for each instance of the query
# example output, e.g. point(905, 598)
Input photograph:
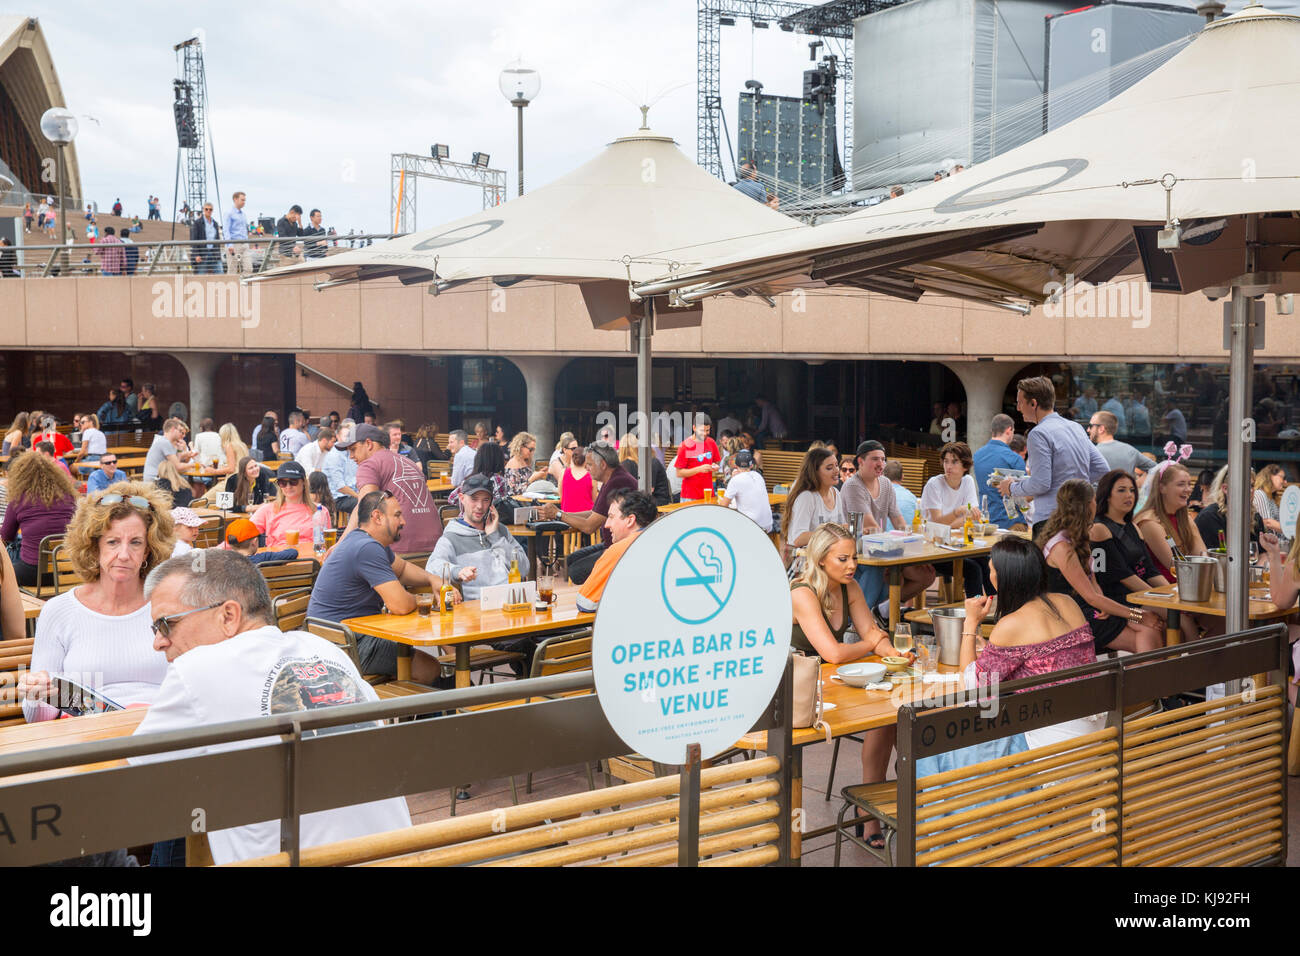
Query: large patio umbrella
point(638, 210)
point(1203, 149)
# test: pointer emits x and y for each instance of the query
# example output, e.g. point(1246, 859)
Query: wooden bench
point(914, 474)
point(290, 575)
point(634, 824)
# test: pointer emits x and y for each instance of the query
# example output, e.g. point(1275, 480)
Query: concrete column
point(540, 373)
point(985, 384)
point(201, 368)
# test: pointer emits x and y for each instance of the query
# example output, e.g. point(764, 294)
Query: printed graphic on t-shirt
point(296, 684)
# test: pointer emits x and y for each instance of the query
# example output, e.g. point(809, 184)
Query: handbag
point(807, 696)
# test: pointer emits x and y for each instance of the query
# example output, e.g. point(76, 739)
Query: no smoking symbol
point(698, 576)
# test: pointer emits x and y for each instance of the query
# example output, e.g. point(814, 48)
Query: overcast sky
point(307, 100)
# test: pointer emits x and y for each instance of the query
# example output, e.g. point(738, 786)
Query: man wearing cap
point(288, 512)
point(476, 549)
point(746, 491)
point(105, 475)
point(378, 469)
point(362, 576)
point(242, 536)
point(186, 524)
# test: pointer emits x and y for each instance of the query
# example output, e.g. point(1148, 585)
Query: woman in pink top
point(1037, 632)
point(290, 511)
point(575, 484)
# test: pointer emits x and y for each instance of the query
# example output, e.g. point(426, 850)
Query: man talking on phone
point(476, 549)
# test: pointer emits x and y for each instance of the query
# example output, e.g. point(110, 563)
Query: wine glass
point(903, 637)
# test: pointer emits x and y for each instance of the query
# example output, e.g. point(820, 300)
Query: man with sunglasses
point(206, 259)
point(228, 661)
point(106, 474)
point(848, 468)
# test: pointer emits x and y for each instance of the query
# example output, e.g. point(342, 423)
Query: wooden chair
point(781, 467)
point(448, 514)
point(913, 474)
point(289, 575)
point(343, 637)
point(290, 608)
point(15, 657)
point(631, 825)
point(55, 572)
point(435, 468)
point(211, 533)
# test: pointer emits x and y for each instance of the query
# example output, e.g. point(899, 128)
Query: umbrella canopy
point(1204, 136)
point(637, 210)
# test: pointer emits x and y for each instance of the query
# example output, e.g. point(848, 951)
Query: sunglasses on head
point(134, 500)
point(163, 625)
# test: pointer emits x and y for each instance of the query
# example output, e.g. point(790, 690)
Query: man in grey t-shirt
point(1118, 454)
point(165, 446)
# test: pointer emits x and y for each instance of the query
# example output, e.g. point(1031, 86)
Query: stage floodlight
point(440, 151)
point(480, 159)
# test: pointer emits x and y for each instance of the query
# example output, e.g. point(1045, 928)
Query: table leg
point(462, 665)
point(1173, 629)
point(959, 580)
point(895, 578)
point(404, 653)
point(796, 808)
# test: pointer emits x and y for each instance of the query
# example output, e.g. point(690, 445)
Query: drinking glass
point(424, 604)
point(929, 654)
point(903, 637)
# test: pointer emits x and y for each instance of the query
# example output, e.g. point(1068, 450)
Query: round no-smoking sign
point(692, 633)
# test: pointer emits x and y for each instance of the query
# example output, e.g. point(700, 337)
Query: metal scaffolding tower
point(194, 140)
point(408, 169)
point(830, 20)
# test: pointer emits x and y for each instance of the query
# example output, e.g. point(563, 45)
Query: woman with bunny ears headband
point(1165, 517)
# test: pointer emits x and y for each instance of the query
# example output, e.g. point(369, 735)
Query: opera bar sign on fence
point(692, 634)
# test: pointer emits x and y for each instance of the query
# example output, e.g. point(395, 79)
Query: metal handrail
point(52, 253)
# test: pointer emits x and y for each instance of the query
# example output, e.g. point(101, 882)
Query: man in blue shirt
point(903, 497)
point(749, 184)
point(997, 453)
point(341, 471)
point(105, 475)
point(237, 258)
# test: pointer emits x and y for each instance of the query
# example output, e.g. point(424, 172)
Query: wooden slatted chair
point(289, 575)
point(211, 533)
point(448, 514)
point(914, 475)
point(739, 810)
point(343, 637)
point(290, 608)
point(781, 467)
point(15, 657)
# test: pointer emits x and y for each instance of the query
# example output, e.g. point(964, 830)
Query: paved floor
point(491, 794)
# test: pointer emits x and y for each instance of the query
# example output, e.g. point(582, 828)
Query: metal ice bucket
point(1195, 578)
point(948, 623)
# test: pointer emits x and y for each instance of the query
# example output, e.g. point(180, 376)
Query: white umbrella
point(1203, 147)
point(637, 210)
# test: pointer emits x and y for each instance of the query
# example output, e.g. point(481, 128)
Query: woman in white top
point(93, 442)
point(813, 501)
point(947, 498)
point(98, 634)
point(561, 457)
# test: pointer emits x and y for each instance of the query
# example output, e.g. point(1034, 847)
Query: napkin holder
point(509, 598)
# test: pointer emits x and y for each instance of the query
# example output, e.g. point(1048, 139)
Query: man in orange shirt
point(630, 513)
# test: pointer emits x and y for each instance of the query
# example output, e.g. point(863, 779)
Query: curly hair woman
point(98, 634)
point(41, 503)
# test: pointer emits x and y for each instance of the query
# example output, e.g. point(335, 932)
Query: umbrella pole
point(644, 330)
point(1240, 406)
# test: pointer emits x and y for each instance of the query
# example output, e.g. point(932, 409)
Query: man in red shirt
point(50, 433)
point(378, 469)
point(697, 460)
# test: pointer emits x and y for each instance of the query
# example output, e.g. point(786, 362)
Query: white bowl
point(860, 673)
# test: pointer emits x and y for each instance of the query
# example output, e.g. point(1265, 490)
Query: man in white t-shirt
point(228, 661)
point(167, 446)
point(207, 444)
point(746, 491)
point(310, 454)
point(295, 436)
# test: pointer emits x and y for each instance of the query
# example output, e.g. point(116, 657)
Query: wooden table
point(856, 710)
point(929, 553)
point(203, 471)
point(439, 484)
point(21, 738)
point(1261, 608)
point(468, 625)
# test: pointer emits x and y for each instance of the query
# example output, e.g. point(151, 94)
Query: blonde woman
point(1269, 485)
point(520, 471)
point(561, 457)
point(93, 441)
point(1284, 585)
point(1164, 520)
point(825, 600)
point(627, 451)
point(233, 446)
point(99, 634)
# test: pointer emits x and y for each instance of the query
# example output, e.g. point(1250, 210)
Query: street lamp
point(59, 126)
point(520, 85)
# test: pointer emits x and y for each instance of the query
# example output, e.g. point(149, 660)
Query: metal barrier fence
point(171, 256)
point(63, 815)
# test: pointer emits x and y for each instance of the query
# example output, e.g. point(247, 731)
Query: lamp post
point(59, 126)
point(520, 85)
